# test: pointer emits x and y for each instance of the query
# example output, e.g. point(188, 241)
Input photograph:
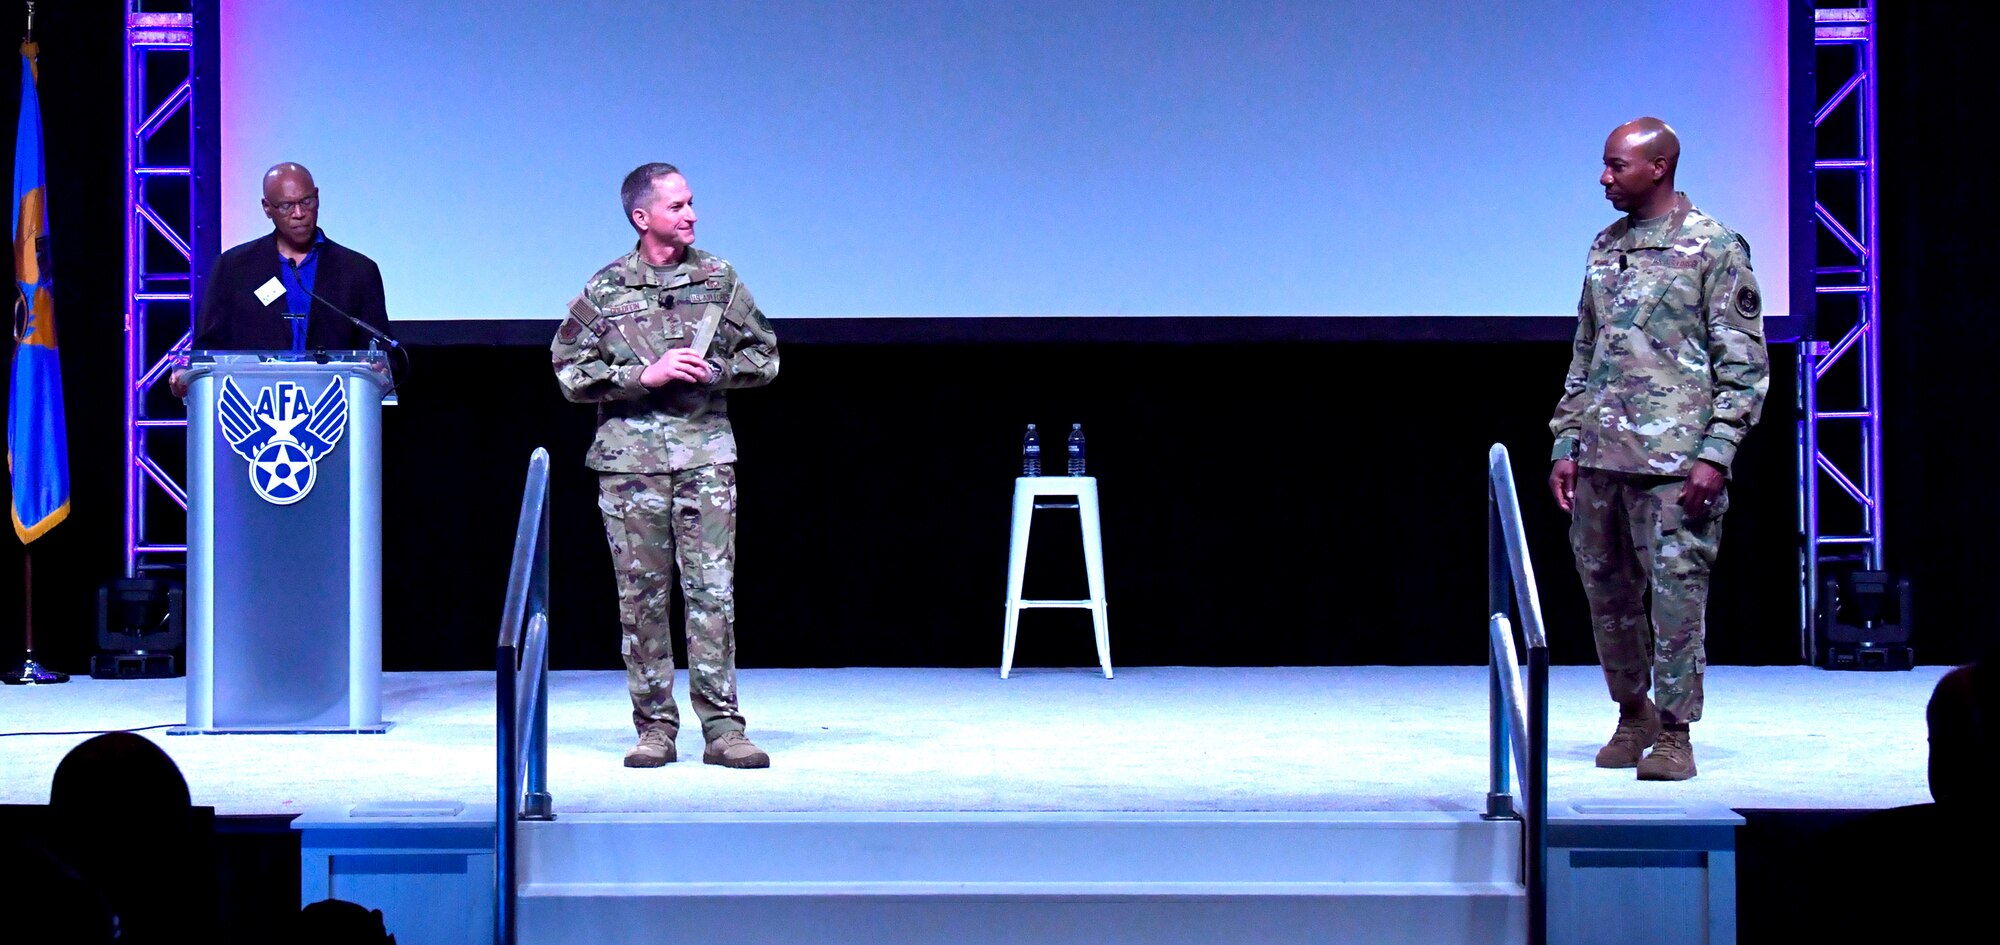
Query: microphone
point(377, 333)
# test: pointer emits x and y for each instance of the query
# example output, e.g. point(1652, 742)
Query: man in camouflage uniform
point(654, 340)
point(1668, 373)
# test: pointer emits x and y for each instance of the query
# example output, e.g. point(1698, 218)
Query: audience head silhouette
point(119, 772)
point(125, 824)
point(339, 922)
point(1965, 752)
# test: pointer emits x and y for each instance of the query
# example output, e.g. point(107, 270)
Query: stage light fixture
point(1865, 620)
point(141, 622)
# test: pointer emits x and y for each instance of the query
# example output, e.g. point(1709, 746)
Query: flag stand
point(30, 672)
point(34, 328)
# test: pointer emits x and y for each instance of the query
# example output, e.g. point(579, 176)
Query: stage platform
point(1158, 739)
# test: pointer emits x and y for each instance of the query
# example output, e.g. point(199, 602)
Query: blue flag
point(37, 445)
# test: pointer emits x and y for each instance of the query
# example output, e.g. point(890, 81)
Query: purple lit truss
point(158, 272)
point(1835, 443)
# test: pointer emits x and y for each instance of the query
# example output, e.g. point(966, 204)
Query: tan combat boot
point(1638, 729)
point(732, 750)
point(1671, 760)
point(655, 748)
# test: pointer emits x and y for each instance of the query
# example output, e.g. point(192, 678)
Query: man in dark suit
point(259, 294)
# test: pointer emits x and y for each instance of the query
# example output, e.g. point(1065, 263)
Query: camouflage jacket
point(627, 317)
point(1669, 364)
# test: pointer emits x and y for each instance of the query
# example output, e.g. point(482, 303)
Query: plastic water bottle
point(1076, 449)
point(1031, 453)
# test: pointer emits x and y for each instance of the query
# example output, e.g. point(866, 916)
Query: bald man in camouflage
point(654, 340)
point(1668, 373)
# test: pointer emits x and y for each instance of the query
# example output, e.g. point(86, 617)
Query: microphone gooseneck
point(373, 332)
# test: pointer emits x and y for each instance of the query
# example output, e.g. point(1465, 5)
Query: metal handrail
point(521, 684)
point(1518, 714)
point(1513, 705)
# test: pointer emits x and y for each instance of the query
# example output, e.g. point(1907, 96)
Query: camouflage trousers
point(660, 525)
point(1645, 567)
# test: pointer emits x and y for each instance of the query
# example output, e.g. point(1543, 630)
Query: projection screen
point(951, 158)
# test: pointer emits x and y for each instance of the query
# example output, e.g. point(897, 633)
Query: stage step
point(984, 877)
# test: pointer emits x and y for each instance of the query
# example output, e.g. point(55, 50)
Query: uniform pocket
point(1672, 517)
point(1665, 288)
point(613, 511)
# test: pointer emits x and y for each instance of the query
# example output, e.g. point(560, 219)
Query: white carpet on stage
point(1153, 739)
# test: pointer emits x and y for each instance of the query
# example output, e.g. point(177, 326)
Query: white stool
point(1028, 490)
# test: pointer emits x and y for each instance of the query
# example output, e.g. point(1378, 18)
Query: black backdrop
point(1271, 503)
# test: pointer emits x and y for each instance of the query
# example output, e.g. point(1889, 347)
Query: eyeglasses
point(286, 208)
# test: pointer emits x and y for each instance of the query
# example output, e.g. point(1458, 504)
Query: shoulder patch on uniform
point(569, 332)
point(1747, 302)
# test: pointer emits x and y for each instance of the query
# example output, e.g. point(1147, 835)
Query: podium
point(284, 561)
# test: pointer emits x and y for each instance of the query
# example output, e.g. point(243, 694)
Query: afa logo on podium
point(283, 436)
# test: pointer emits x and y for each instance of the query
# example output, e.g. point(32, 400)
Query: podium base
point(376, 729)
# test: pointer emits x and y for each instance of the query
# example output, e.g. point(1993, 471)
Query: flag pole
point(30, 672)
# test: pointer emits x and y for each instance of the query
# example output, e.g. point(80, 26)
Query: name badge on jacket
point(269, 291)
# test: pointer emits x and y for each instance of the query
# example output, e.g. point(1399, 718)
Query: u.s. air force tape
point(584, 312)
